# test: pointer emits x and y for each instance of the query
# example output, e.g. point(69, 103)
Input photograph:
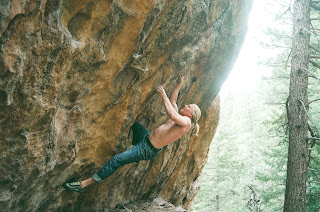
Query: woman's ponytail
point(196, 114)
point(196, 129)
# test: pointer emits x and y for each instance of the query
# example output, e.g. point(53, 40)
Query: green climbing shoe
point(74, 186)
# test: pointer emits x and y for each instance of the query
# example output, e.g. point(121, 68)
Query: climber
point(147, 145)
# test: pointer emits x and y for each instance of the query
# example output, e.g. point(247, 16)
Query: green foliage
point(313, 191)
point(251, 143)
point(238, 156)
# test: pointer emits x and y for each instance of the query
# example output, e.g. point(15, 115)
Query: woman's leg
point(134, 154)
point(85, 183)
point(129, 156)
point(139, 132)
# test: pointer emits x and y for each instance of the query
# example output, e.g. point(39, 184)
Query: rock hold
point(180, 209)
point(159, 201)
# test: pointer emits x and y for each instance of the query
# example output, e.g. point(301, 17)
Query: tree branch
point(314, 64)
point(314, 56)
point(289, 9)
point(312, 171)
point(304, 107)
point(288, 58)
point(283, 13)
point(313, 138)
point(287, 108)
point(316, 7)
point(311, 33)
point(315, 160)
point(312, 75)
point(312, 101)
point(317, 50)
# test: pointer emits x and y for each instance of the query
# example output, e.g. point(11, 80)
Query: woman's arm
point(175, 92)
point(171, 111)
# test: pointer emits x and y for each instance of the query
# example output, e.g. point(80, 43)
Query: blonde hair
point(196, 114)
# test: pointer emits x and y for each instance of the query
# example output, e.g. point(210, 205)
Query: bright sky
point(247, 73)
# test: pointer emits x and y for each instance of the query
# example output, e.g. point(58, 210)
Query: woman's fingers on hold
point(160, 88)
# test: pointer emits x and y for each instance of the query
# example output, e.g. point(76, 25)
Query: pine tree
point(295, 196)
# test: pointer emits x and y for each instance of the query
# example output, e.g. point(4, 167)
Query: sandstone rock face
point(76, 74)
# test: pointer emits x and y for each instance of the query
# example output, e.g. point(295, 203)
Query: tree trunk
point(295, 195)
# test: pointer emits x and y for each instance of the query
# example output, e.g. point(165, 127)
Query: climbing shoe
point(74, 186)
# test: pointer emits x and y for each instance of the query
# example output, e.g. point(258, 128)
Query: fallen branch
point(254, 203)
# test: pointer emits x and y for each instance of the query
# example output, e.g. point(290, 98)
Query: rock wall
point(76, 74)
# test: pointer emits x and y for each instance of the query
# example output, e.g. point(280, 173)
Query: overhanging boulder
point(75, 75)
